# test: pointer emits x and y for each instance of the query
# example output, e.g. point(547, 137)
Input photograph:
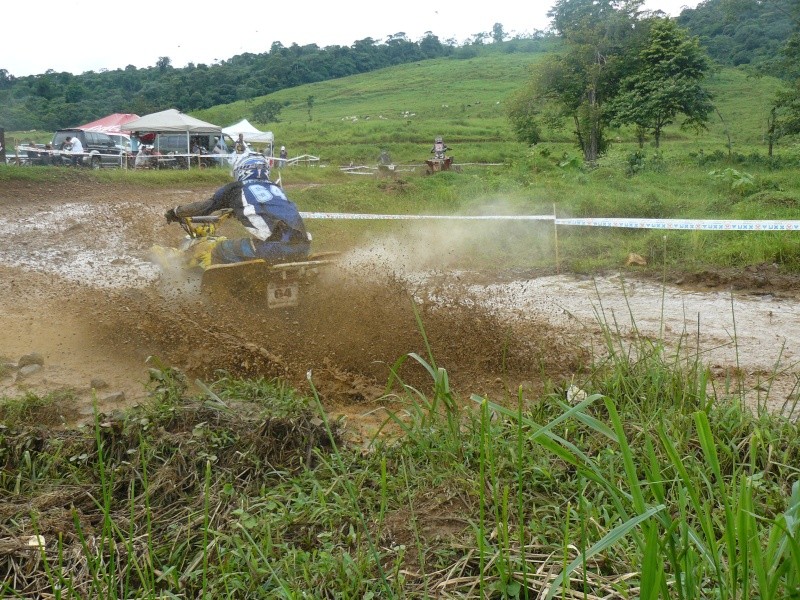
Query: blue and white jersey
point(262, 205)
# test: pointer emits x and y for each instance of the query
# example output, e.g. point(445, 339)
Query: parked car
point(99, 148)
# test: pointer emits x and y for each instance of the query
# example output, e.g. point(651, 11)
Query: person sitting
point(277, 229)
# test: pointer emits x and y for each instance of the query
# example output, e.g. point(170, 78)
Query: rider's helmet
point(251, 166)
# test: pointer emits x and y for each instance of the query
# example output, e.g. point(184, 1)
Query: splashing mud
point(80, 288)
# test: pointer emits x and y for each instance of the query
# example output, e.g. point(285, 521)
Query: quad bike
point(434, 165)
point(439, 162)
point(251, 281)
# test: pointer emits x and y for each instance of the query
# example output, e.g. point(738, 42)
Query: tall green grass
point(636, 479)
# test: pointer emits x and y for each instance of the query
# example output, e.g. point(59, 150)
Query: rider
point(439, 147)
point(278, 231)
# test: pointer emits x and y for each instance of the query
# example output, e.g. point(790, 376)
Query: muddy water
point(758, 335)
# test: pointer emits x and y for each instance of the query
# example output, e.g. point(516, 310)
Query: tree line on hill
point(744, 33)
point(54, 100)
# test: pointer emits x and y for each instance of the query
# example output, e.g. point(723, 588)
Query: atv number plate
point(282, 295)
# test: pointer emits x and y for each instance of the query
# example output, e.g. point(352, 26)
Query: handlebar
point(204, 225)
point(206, 219)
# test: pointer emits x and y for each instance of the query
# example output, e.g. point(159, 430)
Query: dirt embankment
point(79, 289)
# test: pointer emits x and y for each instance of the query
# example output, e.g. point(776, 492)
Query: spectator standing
point(439, 148)
point(76, 149)
point(240, 147)
point(283, 155)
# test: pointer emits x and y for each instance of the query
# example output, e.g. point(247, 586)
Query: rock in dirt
point(34, 358)
point(86, 410)
point(27, 371)
point(114, 397)
point(635, 259)
point(98, 384)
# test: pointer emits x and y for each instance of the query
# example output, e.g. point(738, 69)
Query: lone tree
point(576, 84)
point(498, 33)
point(163, 63)
point(266, 111)
point(310, 104)
point(666, 82)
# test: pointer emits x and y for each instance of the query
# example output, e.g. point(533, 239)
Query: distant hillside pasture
point(401, 109)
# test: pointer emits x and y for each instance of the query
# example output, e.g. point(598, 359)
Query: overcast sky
point(62, 34)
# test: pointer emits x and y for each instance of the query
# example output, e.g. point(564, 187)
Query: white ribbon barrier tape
point(679, 224)
point(326, 215)
point(687, 224)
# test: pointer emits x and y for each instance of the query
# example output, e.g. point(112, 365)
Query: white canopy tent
point(171, 121)
point(251, 134)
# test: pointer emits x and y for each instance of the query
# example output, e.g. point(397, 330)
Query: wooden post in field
point(555, 233)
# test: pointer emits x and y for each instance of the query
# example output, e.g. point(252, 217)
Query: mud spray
point(358, 318)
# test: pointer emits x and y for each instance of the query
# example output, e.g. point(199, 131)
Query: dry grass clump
point(107, 504)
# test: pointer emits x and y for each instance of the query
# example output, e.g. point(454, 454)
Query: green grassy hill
point(402, 108)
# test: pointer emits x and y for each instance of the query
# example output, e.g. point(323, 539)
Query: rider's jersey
point(260, 205)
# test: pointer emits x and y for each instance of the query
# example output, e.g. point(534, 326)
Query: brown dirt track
point(80, 291)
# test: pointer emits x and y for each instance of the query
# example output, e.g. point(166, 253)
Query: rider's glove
point(171, 216)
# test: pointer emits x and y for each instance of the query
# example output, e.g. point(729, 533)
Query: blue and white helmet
point(251, 166)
